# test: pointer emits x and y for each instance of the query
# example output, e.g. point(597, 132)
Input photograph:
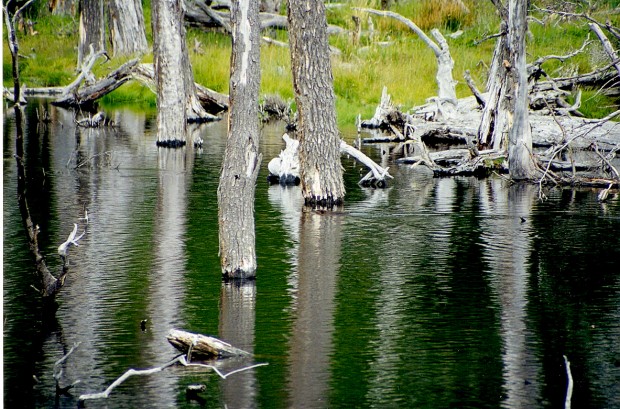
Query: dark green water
point(429, 294)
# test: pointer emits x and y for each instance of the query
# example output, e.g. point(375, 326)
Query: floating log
point(201, 346)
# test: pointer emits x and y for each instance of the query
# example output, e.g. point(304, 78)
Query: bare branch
point(569, 387)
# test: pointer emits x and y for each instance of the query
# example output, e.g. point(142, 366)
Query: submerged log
point(201, 346)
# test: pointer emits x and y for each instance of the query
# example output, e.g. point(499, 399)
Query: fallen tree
point(75, 95)
point(575, 139)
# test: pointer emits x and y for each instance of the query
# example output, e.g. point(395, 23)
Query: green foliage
point(391, 55)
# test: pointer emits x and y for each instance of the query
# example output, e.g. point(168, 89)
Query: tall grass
point(391, 55)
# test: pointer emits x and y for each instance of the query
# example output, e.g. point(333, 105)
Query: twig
point(125, 376)
point(604, 159)
point(180, 359)
point(489, 37)
point(569, 387)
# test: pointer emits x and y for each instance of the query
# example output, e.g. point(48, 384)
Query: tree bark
point(127, 31)
point(492, 129)
point(241, 157)
point(520, 157)
point(319, 154)
point(62, 7)
point(168, 43)
point(92, 28)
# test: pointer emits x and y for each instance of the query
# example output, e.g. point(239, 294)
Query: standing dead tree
point(92, 29)
point(321, 176)
point(242, 160)
point(447, 100)
point(14, 46)
point(126, 27)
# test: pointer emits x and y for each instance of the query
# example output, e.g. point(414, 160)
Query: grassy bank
point(390, 55)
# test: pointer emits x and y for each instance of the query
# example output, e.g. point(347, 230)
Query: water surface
point(433, 293)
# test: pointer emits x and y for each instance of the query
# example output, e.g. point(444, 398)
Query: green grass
point(403, 63)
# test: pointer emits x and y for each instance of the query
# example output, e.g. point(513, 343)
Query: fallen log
point(86, 96)
point(212, 101)
point(201, 346)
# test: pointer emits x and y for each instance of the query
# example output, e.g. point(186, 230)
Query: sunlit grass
point(393, 56)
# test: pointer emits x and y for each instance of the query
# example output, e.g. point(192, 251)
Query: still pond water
point(432, 293)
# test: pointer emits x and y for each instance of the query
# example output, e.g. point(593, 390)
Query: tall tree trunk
point(319, 143)
point(126, 22)
point(505, 122)
point(241, 157)
point(62, 7)
point(520, 159)
point(168, 43)
point(92, 29)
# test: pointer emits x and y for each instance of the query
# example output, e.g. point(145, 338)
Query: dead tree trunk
point(92, 29)
point(168, 43)
point(14, 47)
point(62, 7)
point(319, 154)
point(492, 129)
point(241, 158)
point(126, 25)
point(520, 158)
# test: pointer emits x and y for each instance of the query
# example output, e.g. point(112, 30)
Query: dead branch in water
point(191, 344)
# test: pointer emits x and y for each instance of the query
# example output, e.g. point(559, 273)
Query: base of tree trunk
point(171, 144)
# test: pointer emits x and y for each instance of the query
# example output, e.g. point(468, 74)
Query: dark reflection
point(237, 323)
point(313, 306)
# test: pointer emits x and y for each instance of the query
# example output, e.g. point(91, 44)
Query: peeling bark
point(92, 29)
point(241, 158)
point(126, 24)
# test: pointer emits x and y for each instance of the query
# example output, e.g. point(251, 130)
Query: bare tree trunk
point(319, 154)
point(241, 157)
point(62, 7)
point(127, 31)
point(168, 42)
point(520, 159)
point(270, 6)
point(92, 29)
point(14, 48)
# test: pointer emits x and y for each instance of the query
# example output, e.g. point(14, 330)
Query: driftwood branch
point(192, 345)
point(377, 177)
point(202, 346)
point(569, 386)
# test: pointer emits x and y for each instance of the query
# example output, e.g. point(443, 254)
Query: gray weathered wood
point(319, 154)
point(92, 29)
point(168, 43)
point(445, 63)
point(241, 157)
point(520, 155)
point(202, 346)
point(126, 24)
